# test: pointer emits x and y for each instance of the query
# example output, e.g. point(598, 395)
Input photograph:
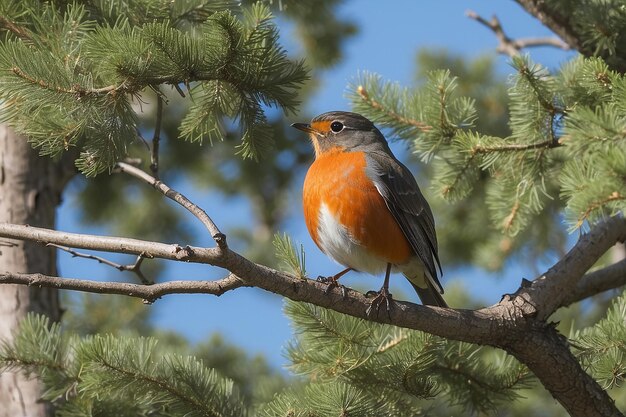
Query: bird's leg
point(382, 296)
point(332, 281)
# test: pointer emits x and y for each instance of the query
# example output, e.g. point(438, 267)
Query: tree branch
point(17, 30)
point(513, 324)
point(561, 21)
point(538, 299)
point(421, 126)
point(115, 244)
point(172, 194)
point(542, 41)
point(471, 326)
point(555, 21)
point(478, 149)
point(135, 267)
point(156, 139)
point(75, 90)
point(596, 282)
point(149, 293)
point(506, 45)
point(552, 290)
point(512, 47)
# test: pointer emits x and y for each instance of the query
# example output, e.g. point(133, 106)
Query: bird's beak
point(305, 127)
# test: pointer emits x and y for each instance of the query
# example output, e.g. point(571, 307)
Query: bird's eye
point(336, 126)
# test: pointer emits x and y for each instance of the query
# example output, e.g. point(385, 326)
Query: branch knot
point(220, 239)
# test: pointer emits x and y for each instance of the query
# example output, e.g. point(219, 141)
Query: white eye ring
point(336, 126)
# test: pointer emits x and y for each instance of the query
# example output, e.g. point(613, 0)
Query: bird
point(364, 209)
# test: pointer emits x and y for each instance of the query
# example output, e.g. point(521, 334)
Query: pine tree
point(53, 75)
point(562, 156)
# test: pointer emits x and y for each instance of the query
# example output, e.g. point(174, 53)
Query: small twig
point(74, 90)
point(172, 194)
point(543, 41)
point(144, 141)
point(135, 268)
point(595, 205)
point(154, 155)
point(8, 244)
point(18, 31)
point(512, 47)
point(478, 149)
point(362, 92)
point(149, 293)
point(135, 161)
point(506, 45)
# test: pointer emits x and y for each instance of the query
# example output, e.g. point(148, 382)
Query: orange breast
point(338, 180)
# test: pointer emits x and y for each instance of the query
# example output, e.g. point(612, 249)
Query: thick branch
point(482, 326)
point(596, 282)
point(510, 324)
point(471, 326)
point(546, 353)
point(552, 290)
point(149, 293)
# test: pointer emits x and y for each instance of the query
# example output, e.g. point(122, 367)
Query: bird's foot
point(381, 297)
point(332, 282)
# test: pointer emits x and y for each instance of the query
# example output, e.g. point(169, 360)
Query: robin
point(364, 209)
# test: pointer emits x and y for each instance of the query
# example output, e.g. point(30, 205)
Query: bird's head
point(343, 131)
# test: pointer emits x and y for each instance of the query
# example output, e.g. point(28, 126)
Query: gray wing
point(408, 206)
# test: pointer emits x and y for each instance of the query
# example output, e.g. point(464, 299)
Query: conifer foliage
point(113, 376)
point(366, 369)
point(72, 72)
point(72, 78)
point(566, 140)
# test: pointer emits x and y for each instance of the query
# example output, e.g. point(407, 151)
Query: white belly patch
point(336, 242)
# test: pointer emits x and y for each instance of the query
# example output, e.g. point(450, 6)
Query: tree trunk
point(30, 189)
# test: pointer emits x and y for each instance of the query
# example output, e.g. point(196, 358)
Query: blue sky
point(390, 34)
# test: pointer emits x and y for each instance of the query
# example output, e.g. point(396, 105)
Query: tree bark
point(29, 194)
point(547, 354)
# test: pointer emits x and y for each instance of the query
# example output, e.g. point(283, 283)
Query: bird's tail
point(430, 296)
point(428, 289)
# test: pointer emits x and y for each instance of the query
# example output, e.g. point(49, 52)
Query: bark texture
point(29, 194)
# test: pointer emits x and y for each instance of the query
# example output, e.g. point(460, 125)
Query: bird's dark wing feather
point(408, 206)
